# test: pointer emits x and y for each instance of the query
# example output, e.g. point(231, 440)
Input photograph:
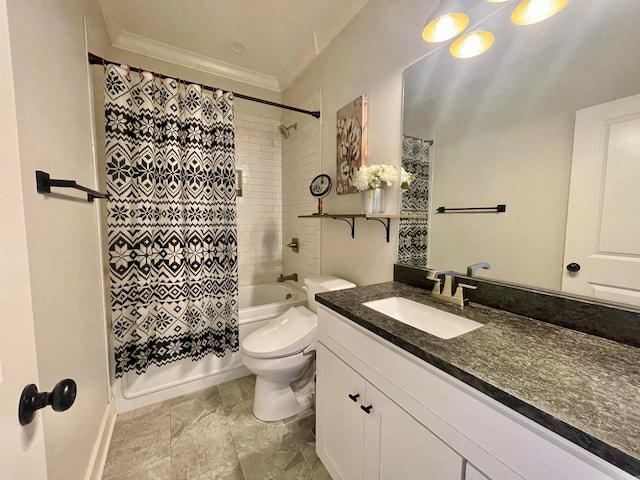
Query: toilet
point(281, 351)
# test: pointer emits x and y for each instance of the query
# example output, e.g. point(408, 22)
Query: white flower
point(373, 176)
point(406, 178)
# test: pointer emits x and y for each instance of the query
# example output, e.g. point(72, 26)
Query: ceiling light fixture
point(533, 11)
point(472, 44)
point(447, 21)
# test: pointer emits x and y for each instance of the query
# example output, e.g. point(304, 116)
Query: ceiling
point(280, 37)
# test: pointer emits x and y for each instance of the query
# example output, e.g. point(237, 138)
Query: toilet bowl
point(280, 352)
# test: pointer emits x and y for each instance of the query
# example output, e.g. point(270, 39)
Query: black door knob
point(354, 397)
point(367, 408)
point(573, 267)
point(61, 398)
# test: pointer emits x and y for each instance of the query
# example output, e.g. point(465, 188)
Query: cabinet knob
point(366, 409)
point(354, 397)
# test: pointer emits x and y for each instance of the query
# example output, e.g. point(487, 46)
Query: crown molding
point(168, 53)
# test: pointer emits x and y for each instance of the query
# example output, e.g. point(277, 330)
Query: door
point(398, 446)
point(602, 247)
point(22, 449)
point(340, 422)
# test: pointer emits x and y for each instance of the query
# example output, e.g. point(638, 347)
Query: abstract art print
point(351, 143)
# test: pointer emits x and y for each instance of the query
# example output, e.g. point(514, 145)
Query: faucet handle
point(460, 292)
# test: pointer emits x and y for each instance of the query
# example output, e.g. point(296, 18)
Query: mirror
point(502, 126)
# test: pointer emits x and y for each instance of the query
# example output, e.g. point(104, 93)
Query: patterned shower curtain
point(171, 220)
point(414, 232)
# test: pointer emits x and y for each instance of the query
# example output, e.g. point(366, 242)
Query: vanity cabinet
point(365, 435)
point(424, 423)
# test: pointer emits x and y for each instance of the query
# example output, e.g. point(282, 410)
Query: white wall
point(368, 57)
point(258, 155)
point(54, 133)
point(22, 454)
point(301, 162)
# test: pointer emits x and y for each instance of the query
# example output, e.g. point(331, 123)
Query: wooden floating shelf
point(350, 218)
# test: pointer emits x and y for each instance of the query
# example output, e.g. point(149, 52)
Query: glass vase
point(373, 200)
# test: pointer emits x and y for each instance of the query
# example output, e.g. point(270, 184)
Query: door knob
point(573, 267)
point(354, 397)
point(60, 398)
point(367, 408)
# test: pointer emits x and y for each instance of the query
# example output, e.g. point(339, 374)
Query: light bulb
point(534, 11)
point(472, 44)
point(445, 27)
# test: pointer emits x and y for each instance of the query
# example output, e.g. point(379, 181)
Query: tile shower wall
point(301, 163)
point(413, 233)
point(258, 155)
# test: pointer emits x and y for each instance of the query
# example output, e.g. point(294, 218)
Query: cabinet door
point(397, 446)
point(339, 419)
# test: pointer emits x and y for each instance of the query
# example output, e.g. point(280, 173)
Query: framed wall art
point(351, 143)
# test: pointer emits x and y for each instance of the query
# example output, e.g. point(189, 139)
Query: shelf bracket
point(386, 223)
point(351, 221)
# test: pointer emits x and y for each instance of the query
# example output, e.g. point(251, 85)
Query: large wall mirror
point(500, 129)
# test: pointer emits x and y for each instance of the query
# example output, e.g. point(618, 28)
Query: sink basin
point(428, 319)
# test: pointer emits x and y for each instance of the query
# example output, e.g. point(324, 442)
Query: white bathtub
point(267, 300)
point(258, 303)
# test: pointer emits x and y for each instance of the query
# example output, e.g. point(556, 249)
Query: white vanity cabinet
point(424, 423)
point(364, 435)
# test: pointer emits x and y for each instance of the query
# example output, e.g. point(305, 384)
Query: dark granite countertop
point(584, 388)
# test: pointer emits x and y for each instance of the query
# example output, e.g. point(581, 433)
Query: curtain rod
point(97, 60)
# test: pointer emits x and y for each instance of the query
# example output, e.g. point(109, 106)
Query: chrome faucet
point(448, 277)
point(293, 276)
point(472, 269)
point(446, 293)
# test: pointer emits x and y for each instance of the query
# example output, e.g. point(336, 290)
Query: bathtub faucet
point(293, 276)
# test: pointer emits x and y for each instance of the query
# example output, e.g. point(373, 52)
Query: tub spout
point(293, 276)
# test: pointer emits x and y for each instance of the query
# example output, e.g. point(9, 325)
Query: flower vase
point(373, 200)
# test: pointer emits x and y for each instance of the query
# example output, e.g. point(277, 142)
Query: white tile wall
point(300, 163)
point(258, 155)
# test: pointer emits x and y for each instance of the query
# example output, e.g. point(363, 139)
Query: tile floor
point(212, 434)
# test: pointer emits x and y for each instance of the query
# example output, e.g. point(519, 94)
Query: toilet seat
point(284, 335)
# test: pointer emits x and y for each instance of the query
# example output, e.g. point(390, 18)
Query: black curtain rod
point(96, 60)
point(430, 142)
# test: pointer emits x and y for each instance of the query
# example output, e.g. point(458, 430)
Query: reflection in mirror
point(413, 232)
point(503, 126)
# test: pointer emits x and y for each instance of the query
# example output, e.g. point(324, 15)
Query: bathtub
point(257, 304)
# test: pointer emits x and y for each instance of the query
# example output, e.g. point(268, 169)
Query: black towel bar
point(44, 183)
point(498, 208)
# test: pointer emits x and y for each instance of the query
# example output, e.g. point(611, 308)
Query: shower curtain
point(172, 230)
point(414, 232)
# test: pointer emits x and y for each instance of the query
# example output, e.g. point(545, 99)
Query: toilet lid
point(284, 335)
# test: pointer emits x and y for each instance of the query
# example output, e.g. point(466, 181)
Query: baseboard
point(99, 456)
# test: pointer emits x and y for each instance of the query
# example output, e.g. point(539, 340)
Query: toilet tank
point(323, 283)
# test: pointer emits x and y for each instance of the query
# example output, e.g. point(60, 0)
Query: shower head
point(284, 131)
